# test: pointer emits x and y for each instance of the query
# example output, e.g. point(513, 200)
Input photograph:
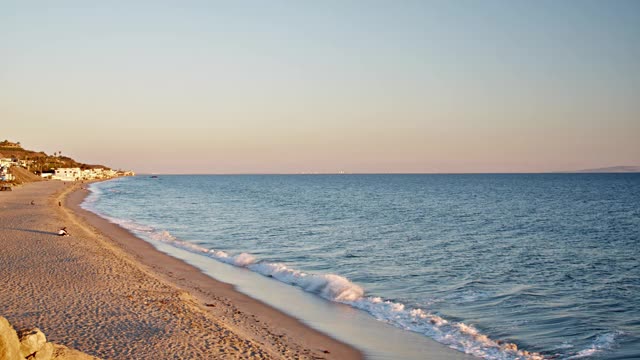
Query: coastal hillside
point(23, 175)
point(39, 161)
point(33, 163)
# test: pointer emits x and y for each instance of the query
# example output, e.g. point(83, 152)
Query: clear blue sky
point(371, 86)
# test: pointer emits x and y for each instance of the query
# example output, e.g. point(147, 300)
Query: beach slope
point(109, 294)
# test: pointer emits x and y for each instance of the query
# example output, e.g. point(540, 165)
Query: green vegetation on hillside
point(40, 161)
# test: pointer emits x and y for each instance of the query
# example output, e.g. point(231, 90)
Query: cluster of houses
point(5, 164)
point(75, 174)
point(64, 174)
point(5, 175)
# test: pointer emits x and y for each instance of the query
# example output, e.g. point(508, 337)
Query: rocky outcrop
point(31, 344)
point(9, 343)
point(31, 341)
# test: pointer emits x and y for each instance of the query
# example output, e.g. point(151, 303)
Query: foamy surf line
point(336, 288)
point(339, 289)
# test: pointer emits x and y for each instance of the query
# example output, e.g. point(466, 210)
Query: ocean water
point(497, 266)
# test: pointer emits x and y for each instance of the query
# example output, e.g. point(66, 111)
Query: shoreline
point(211, 293)
point(358, 329)
point(168, 306)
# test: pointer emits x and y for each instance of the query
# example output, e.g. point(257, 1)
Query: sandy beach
point(109, 294)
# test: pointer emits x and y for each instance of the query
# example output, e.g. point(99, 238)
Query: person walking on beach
point(63, 232)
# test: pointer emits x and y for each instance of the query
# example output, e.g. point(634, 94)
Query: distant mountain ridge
point(611, 169)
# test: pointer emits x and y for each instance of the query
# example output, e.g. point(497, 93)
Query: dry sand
point(109, 294)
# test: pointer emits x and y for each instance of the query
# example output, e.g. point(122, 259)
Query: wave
point(456, 335)
point(96, 191)
point(601, 343)
point(91, 199)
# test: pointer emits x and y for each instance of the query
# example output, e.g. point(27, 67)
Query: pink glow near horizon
point(359, 88)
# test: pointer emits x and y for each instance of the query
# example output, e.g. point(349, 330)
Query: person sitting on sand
point(63, 232)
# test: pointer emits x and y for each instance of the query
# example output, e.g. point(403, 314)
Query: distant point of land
point(610, 169)
point(19, 165)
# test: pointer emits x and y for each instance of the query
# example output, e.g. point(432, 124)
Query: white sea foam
point(89, 201)
point(457, 335)
point(329, 286)
point(601, 343)
point(563, 346)
point(243, 259)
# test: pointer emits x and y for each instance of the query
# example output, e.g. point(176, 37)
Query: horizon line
point(401, 173)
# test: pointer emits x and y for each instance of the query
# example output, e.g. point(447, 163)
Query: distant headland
point(19, 165)
point(610, 169)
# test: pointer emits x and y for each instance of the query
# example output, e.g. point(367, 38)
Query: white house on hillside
point(6, 162)
point(75, 174)
point(67, 174)
point(5, 175)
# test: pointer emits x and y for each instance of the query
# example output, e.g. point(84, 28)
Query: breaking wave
point(456, 335)
point(601, 343)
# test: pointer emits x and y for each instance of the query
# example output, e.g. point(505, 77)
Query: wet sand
point(107, 293)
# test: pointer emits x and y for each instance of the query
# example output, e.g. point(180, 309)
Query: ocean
point(499, 266)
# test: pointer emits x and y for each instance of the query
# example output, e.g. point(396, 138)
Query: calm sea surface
point(482, 263)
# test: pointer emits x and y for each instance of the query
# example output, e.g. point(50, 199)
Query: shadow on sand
point(33, 231)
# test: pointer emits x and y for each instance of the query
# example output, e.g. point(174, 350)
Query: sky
point(324, 86)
